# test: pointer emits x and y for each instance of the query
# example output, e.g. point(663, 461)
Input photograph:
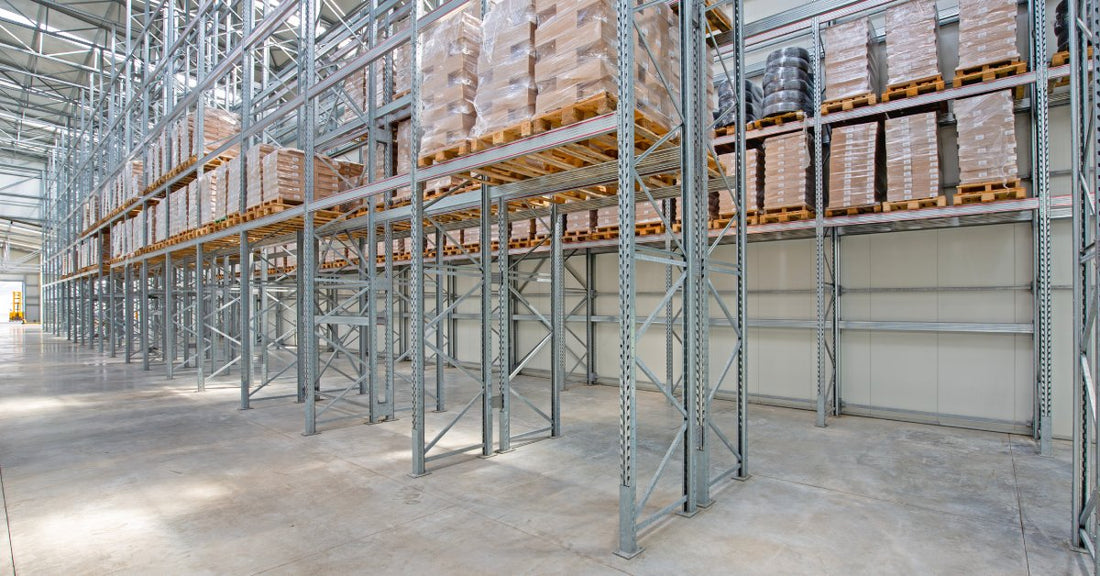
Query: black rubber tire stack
point(788, 83)
point(1061, 26)
point(725, 113)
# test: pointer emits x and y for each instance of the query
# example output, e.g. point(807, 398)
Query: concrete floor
point(107, 469)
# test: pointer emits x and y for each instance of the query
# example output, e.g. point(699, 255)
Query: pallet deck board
point(914, 88)
point(844, 104)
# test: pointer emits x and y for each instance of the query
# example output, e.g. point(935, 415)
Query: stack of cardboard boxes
point(449, 66)
point(576, 49)
point(987, 138)
point(854, 156)
point(721, 202)
point(911, 42)
point(912, 158)
point(787, 166)
point(849, 66)
point(505, 93)
point(987, 32)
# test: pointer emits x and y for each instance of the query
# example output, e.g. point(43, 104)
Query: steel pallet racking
point(219, 303)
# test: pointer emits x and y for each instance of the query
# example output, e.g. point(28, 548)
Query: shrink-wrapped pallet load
point(787, 166)
point(576, 55)
point(403, 143)
point(283, 176)
point(987, 138)
point(450, 52)
point(355, 89)
point(218, 126)
point(177, 212)
point(849, 66)
point(912, 158)
point(253, 168)
point(221, 175)
point(987, 32)
point(505, 94)
point(581, 221)
point(162, 221)
point(721, 202)
point(192, 205)
point(854, 155)
point(911, 42)
point(233, 170)
point(209, 187)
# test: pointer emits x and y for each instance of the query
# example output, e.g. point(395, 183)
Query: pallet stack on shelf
point(912, 163)
point(788, 179)
point(851, 73)
point(912, 64)
point(856, 176)
point(987, 149)
point(987, 41)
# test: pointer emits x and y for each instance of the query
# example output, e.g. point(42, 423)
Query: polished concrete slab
point(110, 469)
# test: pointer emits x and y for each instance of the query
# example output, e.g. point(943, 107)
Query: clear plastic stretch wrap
point(787, 166)
point(987, 32)
point(402, 69)
point(912, 158)
point(911, 42)
point(403, 143)
point(849, 66)
point(254, 168)
point(854, 157)
point(449, 66)
point(208, 197)
point(192, 205)
point(233, 186)
point(721, 202)
point(576, 49)
point(987, 138)
point(355, 86)
point(162, 221)
point(221, 175)
point(506, 67)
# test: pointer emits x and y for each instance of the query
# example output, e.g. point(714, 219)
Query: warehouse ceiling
point(49, 53)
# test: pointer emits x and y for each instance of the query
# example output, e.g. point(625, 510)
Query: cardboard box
point(787, 171)
point(911, 41)
point(987, 32)
point(912, 157)
point(849, 67)
point(855, 153)
point(987, 138)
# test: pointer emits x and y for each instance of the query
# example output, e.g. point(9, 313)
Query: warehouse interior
point(321, 286)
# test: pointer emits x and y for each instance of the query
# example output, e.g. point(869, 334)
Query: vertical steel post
point(169, 317)
point(504, 323)
point(144, 311)
point(557, 319)
point(819, 230)
point(628, 435)
point(416, 270)
point(199, 310)
point(307, 257)
point(486, 324)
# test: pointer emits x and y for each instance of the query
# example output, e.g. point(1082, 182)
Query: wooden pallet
point(988, 72)
point(991, 191)
point(913, 88)
point(460, 148)
point(854, 210)
point(914, 204)
point(844, 104)
point(785, 214)
point(777, 120)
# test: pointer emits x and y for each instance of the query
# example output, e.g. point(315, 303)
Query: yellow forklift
point(16, 314)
